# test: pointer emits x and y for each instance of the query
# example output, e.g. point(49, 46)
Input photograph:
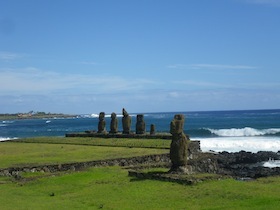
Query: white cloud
point(8, 56)
point(201, 84)
point(32, 80)
point(210, 66)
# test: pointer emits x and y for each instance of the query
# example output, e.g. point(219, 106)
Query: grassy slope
point(20, 154)
point(114, 142)
point(111, 188)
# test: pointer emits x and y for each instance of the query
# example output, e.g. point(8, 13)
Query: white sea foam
point(6, 138)
point(236, 144)
point(94, 115)
point(8, 121)
point(109, 115)
point(247, 131)
point(272, 163)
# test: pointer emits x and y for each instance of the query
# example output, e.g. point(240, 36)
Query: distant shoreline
point(35, 116)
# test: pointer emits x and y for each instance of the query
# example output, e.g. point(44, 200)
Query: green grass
point(22, 154)
point(111, 188)
point(113, 142)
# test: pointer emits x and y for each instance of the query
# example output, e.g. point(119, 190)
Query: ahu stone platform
point(120, 135)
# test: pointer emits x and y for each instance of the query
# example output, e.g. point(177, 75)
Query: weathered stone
point(179, 144)
point(114, 123)
point(152, 129)
point(101, 123)
point(126, 122)
point(140, 124)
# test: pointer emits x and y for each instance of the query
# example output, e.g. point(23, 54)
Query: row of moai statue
point(179, 147)
point(126, 124)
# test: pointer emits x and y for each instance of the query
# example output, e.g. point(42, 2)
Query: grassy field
point(65, 150)
point(112, 188)
point(108, 142)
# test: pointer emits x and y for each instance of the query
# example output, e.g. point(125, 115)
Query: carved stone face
point(178, 124)
point(140, 117)
point(113, 115)
point(124, 113)
point(101, 115)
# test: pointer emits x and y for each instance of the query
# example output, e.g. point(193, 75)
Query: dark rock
point(247, 164)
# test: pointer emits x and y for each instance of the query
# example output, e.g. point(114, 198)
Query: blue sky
point(87, 56)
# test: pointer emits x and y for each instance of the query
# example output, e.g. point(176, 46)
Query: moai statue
point(179, 144)
point(101, 123)
point(114, 123)
point(126, 122)
point(152, 129)
point(140, 124)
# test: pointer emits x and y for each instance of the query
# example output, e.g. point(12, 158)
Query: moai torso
point(126, 122)
point(114, 123)
point(140, 124)
point(101, 123)
point(179, 144)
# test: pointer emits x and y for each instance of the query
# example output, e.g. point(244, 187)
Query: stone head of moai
point(177, 124)
point(124, 112)
point(140, 117)
point(101, 116)
point(113, 115)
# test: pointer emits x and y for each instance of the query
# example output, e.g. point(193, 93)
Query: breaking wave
point(272, 163)
point(6, 138)
point(236, 144)
point(109, 115)
point(247, 131)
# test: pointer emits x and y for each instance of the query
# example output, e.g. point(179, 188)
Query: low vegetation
point(109, 142)
point(111, 187)
point(34, 115)
point(41, 151)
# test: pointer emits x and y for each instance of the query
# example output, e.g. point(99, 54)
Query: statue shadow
point(158, 176)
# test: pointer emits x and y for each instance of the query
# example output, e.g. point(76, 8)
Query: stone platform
point(120, 135)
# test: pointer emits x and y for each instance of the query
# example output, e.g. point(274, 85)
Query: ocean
point(250, 130)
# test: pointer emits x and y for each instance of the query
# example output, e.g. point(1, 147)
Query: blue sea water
point(250, 130)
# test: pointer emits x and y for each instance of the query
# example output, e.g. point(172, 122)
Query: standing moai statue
point(101, 123)
point(126, 122)
point(140, 124)
point(179, 144)
point(114, 123)
point(152, 129)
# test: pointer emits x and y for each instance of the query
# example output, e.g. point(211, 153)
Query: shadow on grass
point(161, 176)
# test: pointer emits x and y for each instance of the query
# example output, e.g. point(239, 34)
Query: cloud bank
point(210, 66)
point(32, 80)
